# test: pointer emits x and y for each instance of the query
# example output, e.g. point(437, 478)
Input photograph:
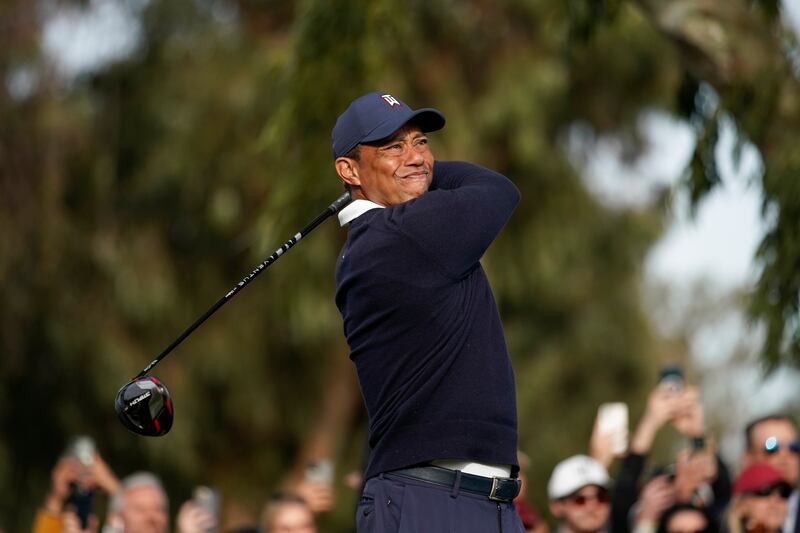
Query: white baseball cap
point(574, 473)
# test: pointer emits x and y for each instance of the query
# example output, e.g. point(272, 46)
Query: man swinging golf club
point(423, 327)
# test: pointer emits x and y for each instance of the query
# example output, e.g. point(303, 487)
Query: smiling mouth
point(415, 176)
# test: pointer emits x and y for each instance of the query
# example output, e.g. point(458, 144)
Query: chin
point(416, 192)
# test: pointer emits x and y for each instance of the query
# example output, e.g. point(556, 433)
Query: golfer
point(423, 327)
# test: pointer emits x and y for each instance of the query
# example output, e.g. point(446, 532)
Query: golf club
point(144, 404)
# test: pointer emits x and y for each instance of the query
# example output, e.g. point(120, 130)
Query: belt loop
point(456, 485)
point(380, 476)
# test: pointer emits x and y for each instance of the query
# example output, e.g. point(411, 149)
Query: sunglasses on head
point(784, 490)
point(773, 445)
point(582, 499)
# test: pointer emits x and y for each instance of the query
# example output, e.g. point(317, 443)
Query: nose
point(414, 156)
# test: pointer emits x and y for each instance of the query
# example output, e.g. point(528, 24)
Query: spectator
point(687, 518)
point(699, 476)
point(760, 500)
point(316, 487)
point(194, 518)
point(287, 513)
point(139, 506)
point(773, 439)
point(56, 513)
point(578, 492)
point(656, 497)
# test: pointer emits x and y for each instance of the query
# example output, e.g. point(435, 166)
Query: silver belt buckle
point(493, 492)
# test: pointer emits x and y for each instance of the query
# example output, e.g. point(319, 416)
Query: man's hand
point(71, 524)
point(318, 495)
point(68, 470)
point(689, 419)
point(692, 469)
point(101, 476)
point(602, 446)
point(656, 496)
point(661, 408)
point(195, 519)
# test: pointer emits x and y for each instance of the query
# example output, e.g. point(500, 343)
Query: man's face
point(780, 456)
point(391, 171)
point(144, 511)
point(293, 518)
point(585, 511)
point(768, 511)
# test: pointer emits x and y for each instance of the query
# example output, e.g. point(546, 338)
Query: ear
point(348, 170)
point(556, 508)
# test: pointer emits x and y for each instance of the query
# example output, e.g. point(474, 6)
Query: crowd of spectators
point(694, 493)
point(139, 503)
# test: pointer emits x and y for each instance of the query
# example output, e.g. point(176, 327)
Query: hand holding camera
point(201, 513)
point(610, 433)
point(316, 487)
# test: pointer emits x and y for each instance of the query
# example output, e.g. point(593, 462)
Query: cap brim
point(428, 119)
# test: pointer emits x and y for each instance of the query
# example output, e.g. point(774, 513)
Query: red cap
point(756, 477)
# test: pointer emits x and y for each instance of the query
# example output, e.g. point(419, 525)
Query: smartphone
point(672, 377)
point(80, 497)
point(209, 499)
point(612, 420)
point(320, 472)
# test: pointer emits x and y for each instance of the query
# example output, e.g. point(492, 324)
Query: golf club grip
point(332, 209)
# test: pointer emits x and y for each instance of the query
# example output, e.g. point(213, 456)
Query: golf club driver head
point(144, 406)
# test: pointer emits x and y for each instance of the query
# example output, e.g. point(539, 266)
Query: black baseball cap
point(375, 116)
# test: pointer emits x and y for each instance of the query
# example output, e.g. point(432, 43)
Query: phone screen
point(612, 420)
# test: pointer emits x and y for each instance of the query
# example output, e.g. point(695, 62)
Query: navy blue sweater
point(423, 327)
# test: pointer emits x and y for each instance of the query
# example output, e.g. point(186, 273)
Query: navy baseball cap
point(375, 116)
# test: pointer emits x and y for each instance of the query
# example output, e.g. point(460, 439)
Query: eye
point(394, 147)
point(420, 144)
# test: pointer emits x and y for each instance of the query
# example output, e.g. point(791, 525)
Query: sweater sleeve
point(626, 491)
point(459, 217)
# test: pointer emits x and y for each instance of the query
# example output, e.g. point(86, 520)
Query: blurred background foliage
point(134, 194)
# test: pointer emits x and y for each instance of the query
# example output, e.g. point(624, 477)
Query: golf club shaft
point(338, 204)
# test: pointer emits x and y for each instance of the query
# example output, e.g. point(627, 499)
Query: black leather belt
point(499, 489)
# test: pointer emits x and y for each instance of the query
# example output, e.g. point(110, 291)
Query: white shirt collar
point(355, 209)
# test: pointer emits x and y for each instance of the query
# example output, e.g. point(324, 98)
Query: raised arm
point(459, 217)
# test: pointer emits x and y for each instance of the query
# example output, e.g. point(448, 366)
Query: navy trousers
point(395, 504)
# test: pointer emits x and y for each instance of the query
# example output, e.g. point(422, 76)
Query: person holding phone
point(697, 477)
point(81, 467)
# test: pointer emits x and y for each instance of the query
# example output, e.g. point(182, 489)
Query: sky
point(713, 248)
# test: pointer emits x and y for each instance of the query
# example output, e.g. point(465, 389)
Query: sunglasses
point(773, 445)
point(582, 499)
point(782, 489)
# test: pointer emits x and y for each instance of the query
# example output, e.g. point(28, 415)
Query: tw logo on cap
point(391, 100)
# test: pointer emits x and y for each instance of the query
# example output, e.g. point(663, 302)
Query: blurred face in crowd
point(144, 510)
point(775, 442)
point(687, 521)
point(292, 518)
point(765, 511)
point(585, 511)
